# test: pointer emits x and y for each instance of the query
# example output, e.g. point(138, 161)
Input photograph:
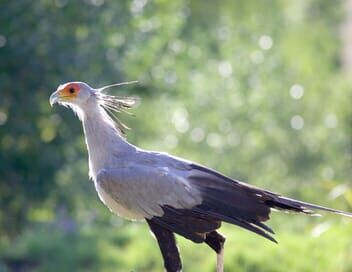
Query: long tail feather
point(285, 203)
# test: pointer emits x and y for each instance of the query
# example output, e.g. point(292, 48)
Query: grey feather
point(145, 188)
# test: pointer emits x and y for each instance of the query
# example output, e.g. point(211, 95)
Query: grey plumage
point(145, 186)
point(171, 193)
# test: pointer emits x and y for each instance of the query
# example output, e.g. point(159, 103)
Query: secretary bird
point(173, 195)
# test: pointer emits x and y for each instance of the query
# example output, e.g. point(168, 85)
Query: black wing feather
point(231, 201)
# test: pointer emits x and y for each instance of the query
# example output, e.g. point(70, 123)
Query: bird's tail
point(288, 204)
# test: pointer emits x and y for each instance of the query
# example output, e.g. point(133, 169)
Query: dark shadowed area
point(259, 90)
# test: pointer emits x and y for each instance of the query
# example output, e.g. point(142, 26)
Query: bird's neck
point(104, 142)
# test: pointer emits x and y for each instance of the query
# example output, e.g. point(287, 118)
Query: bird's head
point(81, 97)
point(73, 94)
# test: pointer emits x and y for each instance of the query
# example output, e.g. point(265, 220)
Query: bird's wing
point(145, 189)
point(238, 203)
point(232, 201)
point(191, 200)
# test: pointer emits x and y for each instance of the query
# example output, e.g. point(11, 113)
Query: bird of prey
point(171, 194)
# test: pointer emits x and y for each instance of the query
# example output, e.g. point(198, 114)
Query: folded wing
point(144, 190)
point(193, 200)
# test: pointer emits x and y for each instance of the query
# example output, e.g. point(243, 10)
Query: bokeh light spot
point(170, 78)
point(297, 122)
point(47, 134)
point(214, 140)
point(3, 41)
point(296, 91)
point(265, 42)
point(225, 68)
point(330, 121)
point(137, 6)
point(180, 121)
point(177, 46)
point(97, 3)
point(117, 39)
point(3, 118)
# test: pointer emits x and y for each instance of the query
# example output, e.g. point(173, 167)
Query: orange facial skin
point(68, 90)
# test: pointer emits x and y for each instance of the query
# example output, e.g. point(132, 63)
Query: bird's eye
point(71, 90)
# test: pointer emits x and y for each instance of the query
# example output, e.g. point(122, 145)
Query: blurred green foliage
point(254, 89)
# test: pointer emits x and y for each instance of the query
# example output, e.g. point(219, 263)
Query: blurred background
point(260, 90)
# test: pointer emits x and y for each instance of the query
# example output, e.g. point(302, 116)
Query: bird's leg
point(216, 241)
point(168, 247)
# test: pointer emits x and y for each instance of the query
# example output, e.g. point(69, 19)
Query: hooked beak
point(54, 98)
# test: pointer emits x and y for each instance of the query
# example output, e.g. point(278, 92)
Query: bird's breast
point(116, 207)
